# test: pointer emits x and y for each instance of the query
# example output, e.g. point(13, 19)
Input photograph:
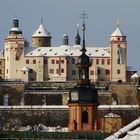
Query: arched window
point(84, 117)
point(107, 72)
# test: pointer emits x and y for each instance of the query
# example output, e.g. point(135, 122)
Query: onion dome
point(15, 30)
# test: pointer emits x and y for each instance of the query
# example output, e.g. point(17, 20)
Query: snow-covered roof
point(66, 50)
point(112, 115)
point(118, 32)
point(135, 75)
point(41, 32)
point(126, 129)
point(15, 29)
point(129, 68)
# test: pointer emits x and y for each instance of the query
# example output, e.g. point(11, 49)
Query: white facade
point(58, 63)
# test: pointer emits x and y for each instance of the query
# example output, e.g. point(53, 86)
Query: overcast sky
point(62, 16)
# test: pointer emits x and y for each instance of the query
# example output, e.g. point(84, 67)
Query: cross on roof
point(84, 16)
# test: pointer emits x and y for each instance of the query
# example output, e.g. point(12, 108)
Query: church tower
point(83, 98)
point(118, 51)
point(41, 37)
point(14, 46)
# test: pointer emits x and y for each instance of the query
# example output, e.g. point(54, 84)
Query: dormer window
point(39, 32)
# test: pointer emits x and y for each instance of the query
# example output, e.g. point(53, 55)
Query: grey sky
point(61, 16)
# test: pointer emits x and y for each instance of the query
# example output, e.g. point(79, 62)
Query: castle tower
point(118, 51)
point(83, 98)
point(14, 51)
point(41, 37)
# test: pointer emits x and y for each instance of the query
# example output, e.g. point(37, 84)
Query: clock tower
point(83, 98)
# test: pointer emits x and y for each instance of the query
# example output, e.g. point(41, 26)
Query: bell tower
point(83, 98)
point(14, 46)
point(118, 48)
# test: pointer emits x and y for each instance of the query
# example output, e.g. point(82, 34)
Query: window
point(34, 61)
point(45, 61)
point(53, 62)
point(62, 61)
point(57, 61)
point(91, 60)
point(0, 71)
point(51, 70)
point(27, 61)
point(107, 72)
point(73, 61)
point(97, 61)
point(24, 72)
point(118, 38)
point(103, 61)
point(98, 71)
point(91, 72)
point(108, 61)
point(73, 72)
point(62, 70)
point(7, 70)
point(57, 71)
point(0, 62)
point(84, 117)
point(118, 71)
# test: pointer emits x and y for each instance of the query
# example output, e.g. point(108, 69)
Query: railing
point(53, 135)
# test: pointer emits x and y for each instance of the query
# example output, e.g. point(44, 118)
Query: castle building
point(43, 62)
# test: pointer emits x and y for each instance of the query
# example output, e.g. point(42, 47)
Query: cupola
point(15, 30)
point(41, 37)
point(65, 39)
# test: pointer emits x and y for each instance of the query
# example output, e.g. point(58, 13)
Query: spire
point(77, 38)
point(83, 16)
point(83, 61)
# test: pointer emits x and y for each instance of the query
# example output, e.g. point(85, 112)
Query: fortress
point(43, 62)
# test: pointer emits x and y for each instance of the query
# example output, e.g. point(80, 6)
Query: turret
point(41, 37)
point(77, 38)
point(14, 46)
point(118, 48)
point(65, 39)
